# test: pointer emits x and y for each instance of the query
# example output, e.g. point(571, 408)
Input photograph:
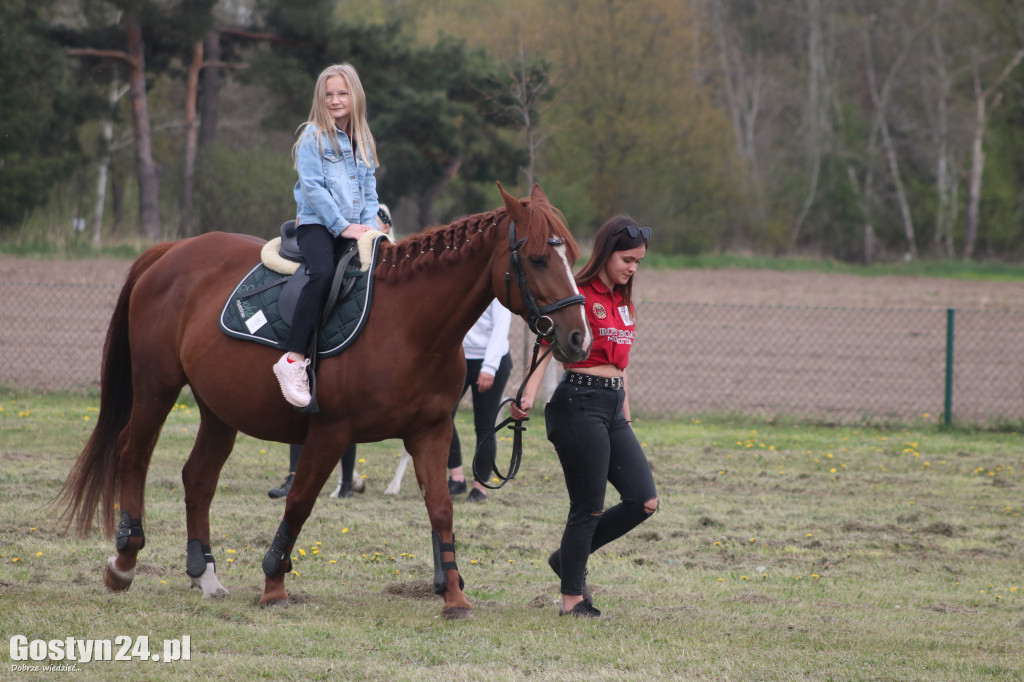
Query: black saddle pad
point(251, 312)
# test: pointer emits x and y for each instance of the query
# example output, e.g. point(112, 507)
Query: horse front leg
point(430, 461)
point(200, 475)
point(315, 467)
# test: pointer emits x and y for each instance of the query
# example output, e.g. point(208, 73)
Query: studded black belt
point(579, 379)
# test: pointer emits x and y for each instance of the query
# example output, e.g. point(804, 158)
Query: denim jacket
point(333, 191)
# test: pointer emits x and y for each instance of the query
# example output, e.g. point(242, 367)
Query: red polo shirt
point(611, 323)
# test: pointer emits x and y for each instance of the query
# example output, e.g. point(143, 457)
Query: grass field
point(779, 552)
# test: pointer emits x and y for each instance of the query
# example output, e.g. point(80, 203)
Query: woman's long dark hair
point(611, 237)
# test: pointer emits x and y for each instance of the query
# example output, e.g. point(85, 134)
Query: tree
point(985, 100)
point(39, 107)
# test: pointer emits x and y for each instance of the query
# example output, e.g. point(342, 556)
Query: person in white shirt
point(488, 365)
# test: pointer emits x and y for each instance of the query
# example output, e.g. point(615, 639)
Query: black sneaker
point(275, 493)
point(456, 487)
point(476, 495)
point(582, 610)
point(346, 490)
point(555, 562)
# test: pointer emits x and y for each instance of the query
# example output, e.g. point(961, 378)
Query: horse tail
point(95, 478)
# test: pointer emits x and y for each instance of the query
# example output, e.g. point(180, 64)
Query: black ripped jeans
point(596, 446)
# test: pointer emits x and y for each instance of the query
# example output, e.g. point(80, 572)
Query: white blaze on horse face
point(560, 250)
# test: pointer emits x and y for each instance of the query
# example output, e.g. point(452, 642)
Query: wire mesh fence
point(826, 365)
point(831, 365)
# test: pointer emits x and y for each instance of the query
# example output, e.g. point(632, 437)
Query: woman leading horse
point(429, 289)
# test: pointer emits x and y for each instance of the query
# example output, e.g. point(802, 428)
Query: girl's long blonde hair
point(320, 115)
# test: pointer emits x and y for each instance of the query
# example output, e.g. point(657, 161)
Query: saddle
point(262, 305)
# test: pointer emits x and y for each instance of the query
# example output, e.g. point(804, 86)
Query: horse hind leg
point(200, 475)
point(135, 444)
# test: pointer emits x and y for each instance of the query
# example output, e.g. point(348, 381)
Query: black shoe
point(275, 493)
point(476, 495)
point(346, 490)
point(456, 487)
point(582, 610)
point(555, 562)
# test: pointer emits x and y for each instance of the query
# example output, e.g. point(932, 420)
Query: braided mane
point(451, 243)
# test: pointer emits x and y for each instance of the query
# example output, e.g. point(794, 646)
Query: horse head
point(537, 282)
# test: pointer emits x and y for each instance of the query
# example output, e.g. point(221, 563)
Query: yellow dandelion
point(333, 561)
point(815, 575)
point(39, 554)
point(344, 530)
point(229, 551)
point(302, 552)
point(721, 580)
point(163, 582)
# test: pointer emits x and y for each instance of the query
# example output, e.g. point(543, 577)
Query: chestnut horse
point(429, 289)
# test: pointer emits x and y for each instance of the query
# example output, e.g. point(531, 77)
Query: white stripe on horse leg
point(396, 482)
point(209, 584)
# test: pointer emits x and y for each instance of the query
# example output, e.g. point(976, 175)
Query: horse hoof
point(209, 584)
point(358, 484)
point(456, 613)
point(115, 580)
point(283, 603)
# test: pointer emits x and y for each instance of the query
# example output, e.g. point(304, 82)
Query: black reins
point(536, 316)
point(515, 425)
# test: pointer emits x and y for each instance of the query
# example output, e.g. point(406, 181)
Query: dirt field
point(731, 286)
point(842, 346)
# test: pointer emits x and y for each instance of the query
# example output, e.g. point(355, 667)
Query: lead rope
point(516, 425)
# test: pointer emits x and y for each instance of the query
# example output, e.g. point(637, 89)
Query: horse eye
point(555, 241)
point(539, 261)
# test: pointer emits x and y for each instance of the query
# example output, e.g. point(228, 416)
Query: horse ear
point(512, 205)
point(538, 195)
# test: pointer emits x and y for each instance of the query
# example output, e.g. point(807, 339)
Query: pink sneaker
point(293, 380)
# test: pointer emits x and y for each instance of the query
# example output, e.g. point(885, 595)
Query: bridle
point(535, 316)
point(541, 325)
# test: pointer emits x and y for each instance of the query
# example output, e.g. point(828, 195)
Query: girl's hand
point(354, 230)
point(484, 381)
point(519, 412)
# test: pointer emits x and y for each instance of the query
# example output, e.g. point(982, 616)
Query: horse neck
point(453, 290)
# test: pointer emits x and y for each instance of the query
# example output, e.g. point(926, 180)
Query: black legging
point(596, 446)
point(485, 407)
point(348, 461)
point(320, 251)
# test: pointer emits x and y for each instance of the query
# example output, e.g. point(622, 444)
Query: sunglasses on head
point(636, 232)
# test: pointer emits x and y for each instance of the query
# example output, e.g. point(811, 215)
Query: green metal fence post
point(950, 319)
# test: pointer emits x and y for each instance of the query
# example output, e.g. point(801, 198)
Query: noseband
point(536, 317)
